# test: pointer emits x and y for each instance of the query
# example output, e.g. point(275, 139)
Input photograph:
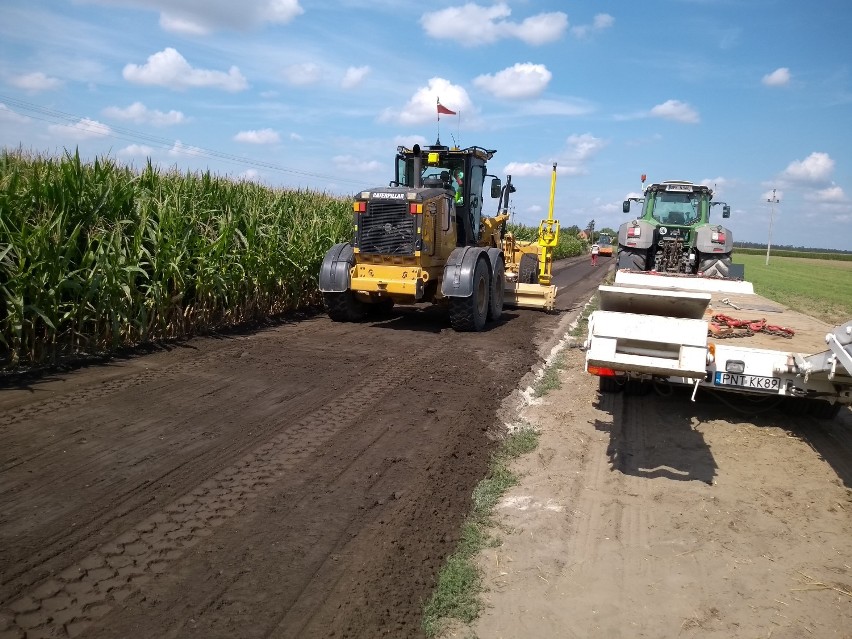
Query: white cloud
point(262, 136)
point(357, 165)
point(831, 195)
point(83, 129)
point(583, 147)
point(140, 114)
point(302, 74)
point(569, 107)
point(191, 17)
point(296, 137)
point(675, 110)
point(35, 82)
point(486, 25)
point(601, 21)
point(423, 105)
point(8, 115)
point(571, 161)
point(815, 168)
point(169, 69)
point(778, 78)
point(136, 150)
point(523, 80)
point(354, 76)
point(181, 149)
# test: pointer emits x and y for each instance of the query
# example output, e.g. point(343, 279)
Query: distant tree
point(608, 231)
point(590, 230)
point(572, 230)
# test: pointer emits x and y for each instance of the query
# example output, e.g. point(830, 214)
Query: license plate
point(755, 382)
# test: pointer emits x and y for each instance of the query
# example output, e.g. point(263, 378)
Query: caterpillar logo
point(387, 196)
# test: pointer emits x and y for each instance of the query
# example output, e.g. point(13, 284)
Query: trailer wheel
point(607, 384)
point(344, 307)
point(715, 265)
point(632, 259)
point(528, 269)
point(822, 409)
point(498, 291)
point(470, 313)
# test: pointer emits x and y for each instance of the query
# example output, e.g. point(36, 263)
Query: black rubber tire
point(344, 307)
point(610, 384)
point(715, 265)
point(528, 269)
point(632, 259)
point(822, 409)
point(470, 313)
point(498, 291)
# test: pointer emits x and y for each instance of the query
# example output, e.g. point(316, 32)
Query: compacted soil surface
point(306, 479)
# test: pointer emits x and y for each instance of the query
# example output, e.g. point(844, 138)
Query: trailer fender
point(645, 239)
point(334, 276)
point(458, 272)
point(704, 240)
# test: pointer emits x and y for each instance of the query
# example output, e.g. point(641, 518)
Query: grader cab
point(426, 238)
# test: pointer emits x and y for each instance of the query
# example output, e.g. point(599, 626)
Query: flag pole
point(439, 121)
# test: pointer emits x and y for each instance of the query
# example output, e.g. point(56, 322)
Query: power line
point(53, 116)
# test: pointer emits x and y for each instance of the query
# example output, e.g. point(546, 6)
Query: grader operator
point(424, 238)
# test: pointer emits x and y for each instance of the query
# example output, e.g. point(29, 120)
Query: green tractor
point(674, 233)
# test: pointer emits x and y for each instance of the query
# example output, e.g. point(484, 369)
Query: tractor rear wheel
point(632, 259)
point(344, 307)
point(528, 269)
point(498, 291)
point(470, 313)
point(715, 265)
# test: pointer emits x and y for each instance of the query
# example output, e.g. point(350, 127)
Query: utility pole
point(772, 202)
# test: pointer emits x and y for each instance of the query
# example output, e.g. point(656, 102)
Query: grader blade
point(533, 296)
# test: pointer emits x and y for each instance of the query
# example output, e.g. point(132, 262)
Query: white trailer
point(667, 330)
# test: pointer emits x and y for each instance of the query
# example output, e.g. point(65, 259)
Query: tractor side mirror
point(726, 211)
point(496, 188)
point(625, 206)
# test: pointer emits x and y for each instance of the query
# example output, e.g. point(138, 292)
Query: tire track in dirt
point(87, 590)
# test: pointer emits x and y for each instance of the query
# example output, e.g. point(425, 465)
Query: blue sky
point(746, 95)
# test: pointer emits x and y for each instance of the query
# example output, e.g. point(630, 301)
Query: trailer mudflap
point(650, 344)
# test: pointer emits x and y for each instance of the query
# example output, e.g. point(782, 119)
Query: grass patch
point(550, 377)
point(819, 288)
point(457, 595)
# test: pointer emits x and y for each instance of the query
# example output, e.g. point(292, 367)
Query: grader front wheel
point(470, 313)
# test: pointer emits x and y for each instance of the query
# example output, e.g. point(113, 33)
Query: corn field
point(567, 247)
point(97, 256)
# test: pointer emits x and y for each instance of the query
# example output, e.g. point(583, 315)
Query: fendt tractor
point(424, 238)
point(674, 233)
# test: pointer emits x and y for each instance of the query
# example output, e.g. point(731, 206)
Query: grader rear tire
point(470, 313)
point(528, 269)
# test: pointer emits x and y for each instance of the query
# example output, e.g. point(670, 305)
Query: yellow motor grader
point(424, 238)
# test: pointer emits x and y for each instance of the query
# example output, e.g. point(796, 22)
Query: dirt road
point(303, 480)
point(650, 516)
